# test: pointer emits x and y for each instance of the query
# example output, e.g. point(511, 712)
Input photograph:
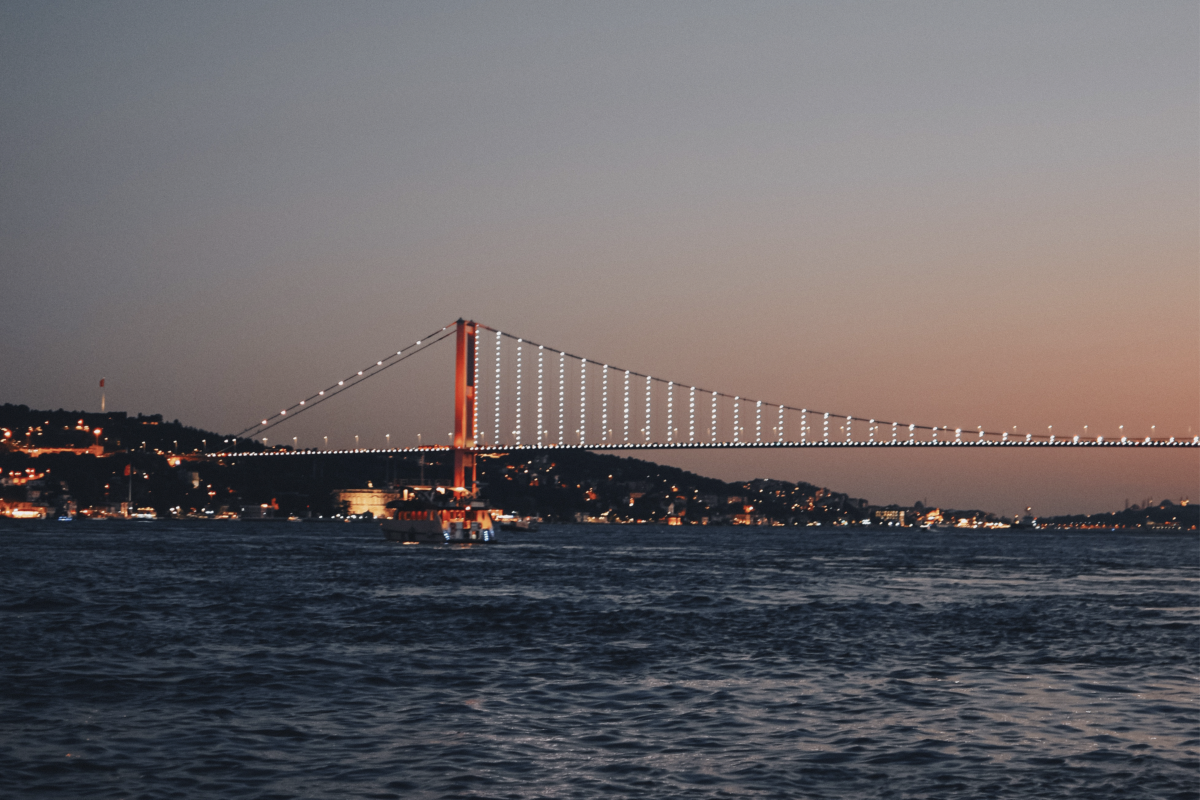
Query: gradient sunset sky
point(949, 213)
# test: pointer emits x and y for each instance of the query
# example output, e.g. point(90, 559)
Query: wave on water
point(187, 660)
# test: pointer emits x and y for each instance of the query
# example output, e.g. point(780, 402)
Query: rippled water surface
point(165, 660)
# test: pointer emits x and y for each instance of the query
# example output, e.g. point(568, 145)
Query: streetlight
point(326, 442)
point(295, 444)
point(356, 441)
point(388, 436)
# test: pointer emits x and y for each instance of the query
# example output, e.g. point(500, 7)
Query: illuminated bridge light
point(625, 406)
point(582, 401)
point(713, 432)
point(496, 390)
point(604, 405)
point(649, 383)
point(692, 414)
point(670, 408)
point(540, 429)
point(517, 430)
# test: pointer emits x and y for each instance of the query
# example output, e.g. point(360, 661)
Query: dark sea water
point(272, 660)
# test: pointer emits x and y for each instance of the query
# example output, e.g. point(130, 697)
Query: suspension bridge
point(512, 393)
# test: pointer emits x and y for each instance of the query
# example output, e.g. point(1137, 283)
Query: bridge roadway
point(1195, 443)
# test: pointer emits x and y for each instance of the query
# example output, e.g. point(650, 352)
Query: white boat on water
point(513, 522)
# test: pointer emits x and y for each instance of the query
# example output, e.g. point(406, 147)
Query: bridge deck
point(723, 446)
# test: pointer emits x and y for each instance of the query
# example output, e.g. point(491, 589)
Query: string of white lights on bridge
point(530, 356)
point(366, 373)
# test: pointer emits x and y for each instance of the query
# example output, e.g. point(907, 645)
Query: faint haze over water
point(951, 214)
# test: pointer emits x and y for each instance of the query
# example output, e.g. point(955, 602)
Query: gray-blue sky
point(929, 211)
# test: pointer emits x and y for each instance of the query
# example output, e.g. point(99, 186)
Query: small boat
point(512, 522)
point(427, 515)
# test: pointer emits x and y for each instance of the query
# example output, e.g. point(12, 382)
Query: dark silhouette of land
point(55, 463)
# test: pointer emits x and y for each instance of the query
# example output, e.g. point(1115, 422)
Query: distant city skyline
point(963, 215)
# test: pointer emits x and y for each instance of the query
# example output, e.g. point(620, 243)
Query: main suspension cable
point(362, 375)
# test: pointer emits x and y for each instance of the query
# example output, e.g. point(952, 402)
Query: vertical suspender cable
point(649, 381)
point(517, 430)
point(692, 415)
point(670, 409)
point(540, 422)
point(475, 353)
point(713, 432)
point(582, 401)
point(496, 389)
point(604, 404)
point(626, 407)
